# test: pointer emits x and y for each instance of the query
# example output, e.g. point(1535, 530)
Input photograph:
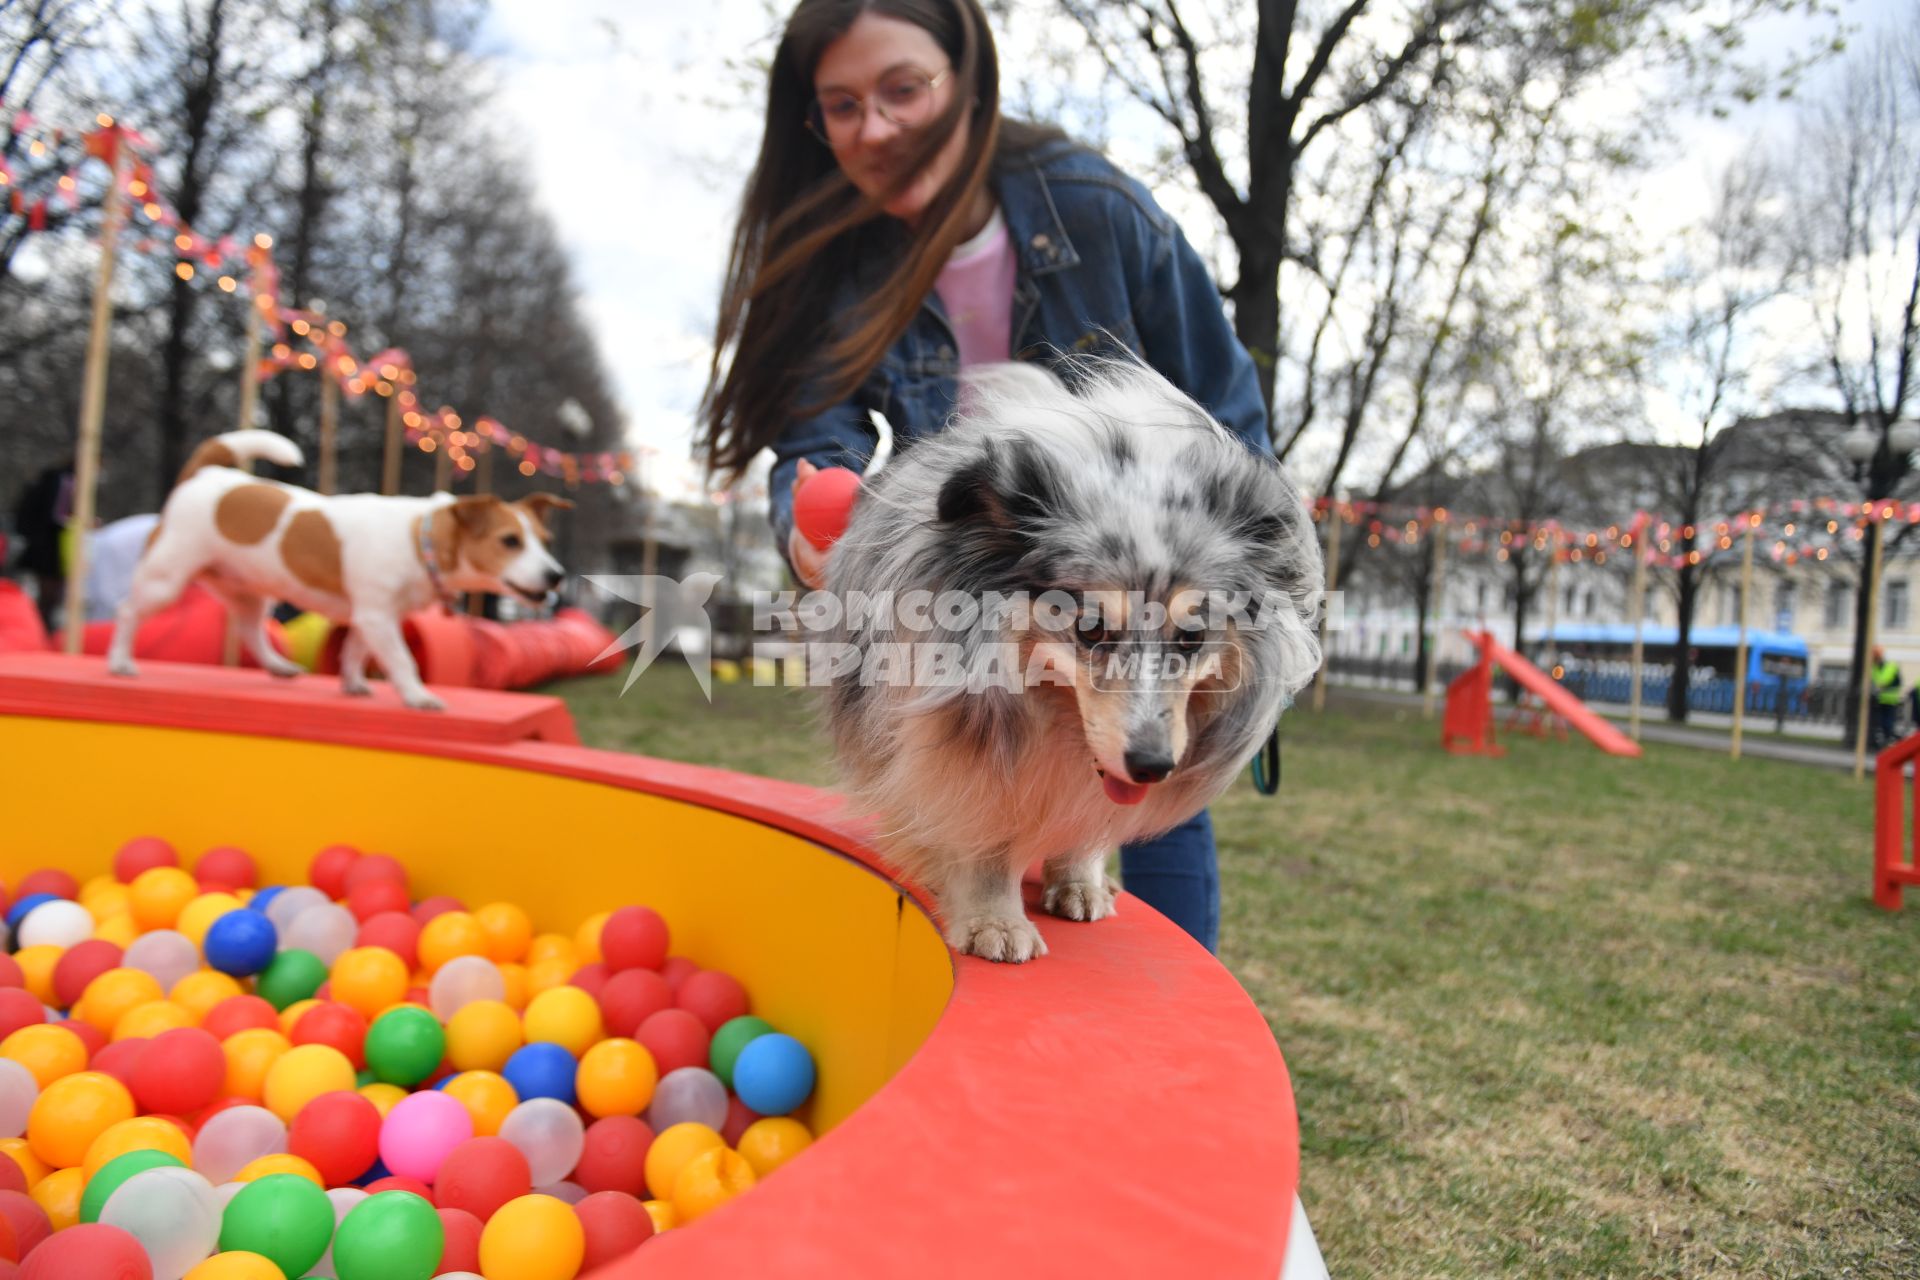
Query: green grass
point(1550, 1015)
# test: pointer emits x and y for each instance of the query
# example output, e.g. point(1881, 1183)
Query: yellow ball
point(142, 1133)
point(616, 1078)
point(116, 993)
point(119, 929)
point(48, 1051)
point(771, 1141)
point(661, 1211)
point(159, 895)
point(567, 1016)
point(586, 939)
point(291, 1015)
point(250, 1055)
point(519, 987)
point(282, 1163)
point(553, 946)
point(204, 989)
point(302, 1074)
point(672, 1148)
point(104, 896)
point(32, 1167)
point(58, 1195)
point(370, 979)
point(448, 936)
point(545, 975)
point(71, 1112)
point(486, 1096)
point(236, 1264)
point(145, 1021)
point(508, 931)
point(36, 968)
point(482, 1036)
point(382, 1096)
point(708, 1181)
point(532, 1238)
point(198, 916)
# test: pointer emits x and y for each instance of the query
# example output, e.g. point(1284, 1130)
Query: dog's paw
point(1079, 899)
point(1009, 941)
point(356, 688)
point(424, 701)
point(123, 667)
point(282, 669)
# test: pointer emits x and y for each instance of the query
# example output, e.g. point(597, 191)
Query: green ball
point(394, 1235)
point(291, 977)
point(730, 1039)
point(282, 1217)
point(405, 1045)
point(116, 1171)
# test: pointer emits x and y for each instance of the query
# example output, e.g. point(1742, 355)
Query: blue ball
point(18, 911)
point(541, 1070)
point(263, 898)
point(241, 943)
point(374, 1174)
point(773, 1074)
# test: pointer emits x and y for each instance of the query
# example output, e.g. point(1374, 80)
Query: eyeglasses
point(903, 98)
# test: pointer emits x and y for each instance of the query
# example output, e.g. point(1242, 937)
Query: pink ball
point(88, 1251)
point(823, 505)
point(420, 1132)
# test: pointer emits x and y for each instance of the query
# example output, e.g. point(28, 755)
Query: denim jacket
point(1097, 257)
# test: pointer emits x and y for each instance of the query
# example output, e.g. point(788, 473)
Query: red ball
point(337, 1025)
point(123, 1057)
point(30, 1222)
point(142, 853)
point(328, 870)
point(615, 1155)
point(338, 1134)
point(10, 973)
point(676, 970)
point(713, 997)
point(438, 905)
point(48, 880)
point(676, 1039)
point(91, 1036)
point(225, 867)
point(19, 1009)
point(480, 1175)
point(9, 1245)
point(183, 1072)
point(590, 978)
point(375, 866)
point(82, 963)
point(13, 1179)
point(462, 1249)
point(88, 1251)
point(823, 505)
point(739, 1116)
point(397, 931)
point(396, 1182)
point(239, 1013)
point(615, 1225)
point(630, 998)
point(634, 938)
point(375, 897)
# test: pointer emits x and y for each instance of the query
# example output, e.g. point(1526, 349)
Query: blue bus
point(1594, 661)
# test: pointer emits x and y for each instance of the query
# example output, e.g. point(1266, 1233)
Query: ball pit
point(899, 1036)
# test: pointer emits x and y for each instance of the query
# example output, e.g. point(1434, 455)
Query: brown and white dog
point(360, 559)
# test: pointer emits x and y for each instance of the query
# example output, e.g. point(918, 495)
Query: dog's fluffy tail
point(242, 446)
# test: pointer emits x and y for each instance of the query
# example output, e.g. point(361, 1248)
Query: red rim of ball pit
point(1117, 1108)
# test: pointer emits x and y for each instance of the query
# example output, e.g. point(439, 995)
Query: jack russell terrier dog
point(360, 559)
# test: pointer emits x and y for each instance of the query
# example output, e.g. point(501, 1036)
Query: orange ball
point(200, 991)
point(708, 1181)
point(519, 988)
point(369, 979)
point(235, 1264)
point(250, 1055)
point(486, 1096)
point(534, 1237)
point(48, 1051)
point(480, 1037)
point(142, 1133)
point(616, 1078)
point(198, 915)
point(118, 929)
point(586, 939)
point(36, 969)
point(661, 1211)
point(58, 1195)
point(672, 1148)
point(771, 1141)
point(545, 975)
point(553, 946)
point(291, 1015)
point(382, 1096)
point(71, 1112)
point(448, 936)
point(32, 1167)
point(282, 1163)
point(145, 1021)
point(118, 992)
point(159, 894)
point(508, 931)
point(302, 1074)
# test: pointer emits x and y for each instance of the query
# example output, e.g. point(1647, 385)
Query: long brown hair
point(805, 229)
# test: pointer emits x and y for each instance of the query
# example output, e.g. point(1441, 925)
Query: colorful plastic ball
point(419, 1133)
point(88, 1035)
point(142, 853)
point(616, 1078)
point(71, 1112)
point(438, 905)
point(634, 938)
point(344, 1200)
point(284, 1162)
point(551, 1136)
point(234, 1139)
point(461, 1252)
point(448, 936)
point(291, 1015)
point(263, 898)
point(22, 905)
point(545, 975)
point(159, 894)
point(122, 1056)
point(714, 997)
point(729, 1039)
point(670, 1152)
point(164, 953)
point(155, 1017)
point(19, 1009)
point(397, 931)
point(336, 1025)
point(482, 1174)
point(46, 1051)
point(174, 1215)
point(542, 1070)
point(586, 938)
point(338, 1134)
point(79, 965)
point(327, 931)
point(553, 946)
point(630, 997)
point(676, 1039)
point(290, 903)
point(382, 1096)
point(482, 1036)
point(227, 867)
point(142, 1133)
point(304, 1073)
point(293, 976)
point(184, 1072)
point(19, 1086)
point(375, 866)
point(613, 1156)
point(93, 1251)
point(739, 1116)
point(394, 1182)
point(566, 1016)
point(201, 990)
point(53, 880)
point(614, 1226)
point(369, 980)
point(392, 1235)
point(824, 504)
point(235, 1264)
point(462, 981)
point(535, 1237)
point(114, 994)
point(29, 1220)
point(118, 1171)
point(328, 870)
point(55, 924)
point(376, 898)
point(688, 1094)
point(36, 971)
point(488, 1098)
point(198, 916)
point(11, 975)
point(250, 1055)
point(241, 943)
point(661, 1213)
point(773, 1074)
point(283, 1218)
point(676, 970)
point(405, 1045)
point(708, 1181)
point(239, 1013)
point(508, 930)
point(591, 978)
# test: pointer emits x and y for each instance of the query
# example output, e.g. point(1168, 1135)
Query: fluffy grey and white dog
point(1144, 595)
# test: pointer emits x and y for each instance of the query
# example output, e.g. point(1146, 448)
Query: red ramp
point(1556, 699)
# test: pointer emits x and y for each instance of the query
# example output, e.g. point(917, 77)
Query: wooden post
point(1553, 594)
point(442, 467)
point(482, 483)
point(1437, 603)
point(390, 464)
point(93, 400)
point(1333, 582)
point(250, 366)
point(1639, 615)
point(1866, 668)
point(1740, 659)
point(329, 479)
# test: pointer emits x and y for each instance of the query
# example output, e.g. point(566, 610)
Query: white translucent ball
point(18, 1092)
point(549, 1134)
point(688, 1093)
point(165, 953)
point(461, 981)
point(571, 1192)
point(343, 1198)
point(289, 903)
point(174, 1214)
point(58, 924)
point(234, 1139)
point(327, 930)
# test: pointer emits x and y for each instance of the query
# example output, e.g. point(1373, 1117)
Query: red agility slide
point(1469, 713)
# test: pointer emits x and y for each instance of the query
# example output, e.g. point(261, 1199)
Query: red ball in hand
point(823, 504)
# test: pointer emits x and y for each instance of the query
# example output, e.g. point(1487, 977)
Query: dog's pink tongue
point(1123, 792)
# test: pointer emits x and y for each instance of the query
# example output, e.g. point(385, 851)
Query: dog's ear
point(540, 503)
point(471, 515)
point(969, 495)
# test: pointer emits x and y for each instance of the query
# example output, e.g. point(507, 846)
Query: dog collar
point(431, 560)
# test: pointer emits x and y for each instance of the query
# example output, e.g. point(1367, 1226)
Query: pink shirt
point(976, 287)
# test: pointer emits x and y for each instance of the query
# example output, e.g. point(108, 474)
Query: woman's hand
point(809, 562)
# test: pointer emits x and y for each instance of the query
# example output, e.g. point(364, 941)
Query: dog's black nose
point(554, 578)
point(1148, 766)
